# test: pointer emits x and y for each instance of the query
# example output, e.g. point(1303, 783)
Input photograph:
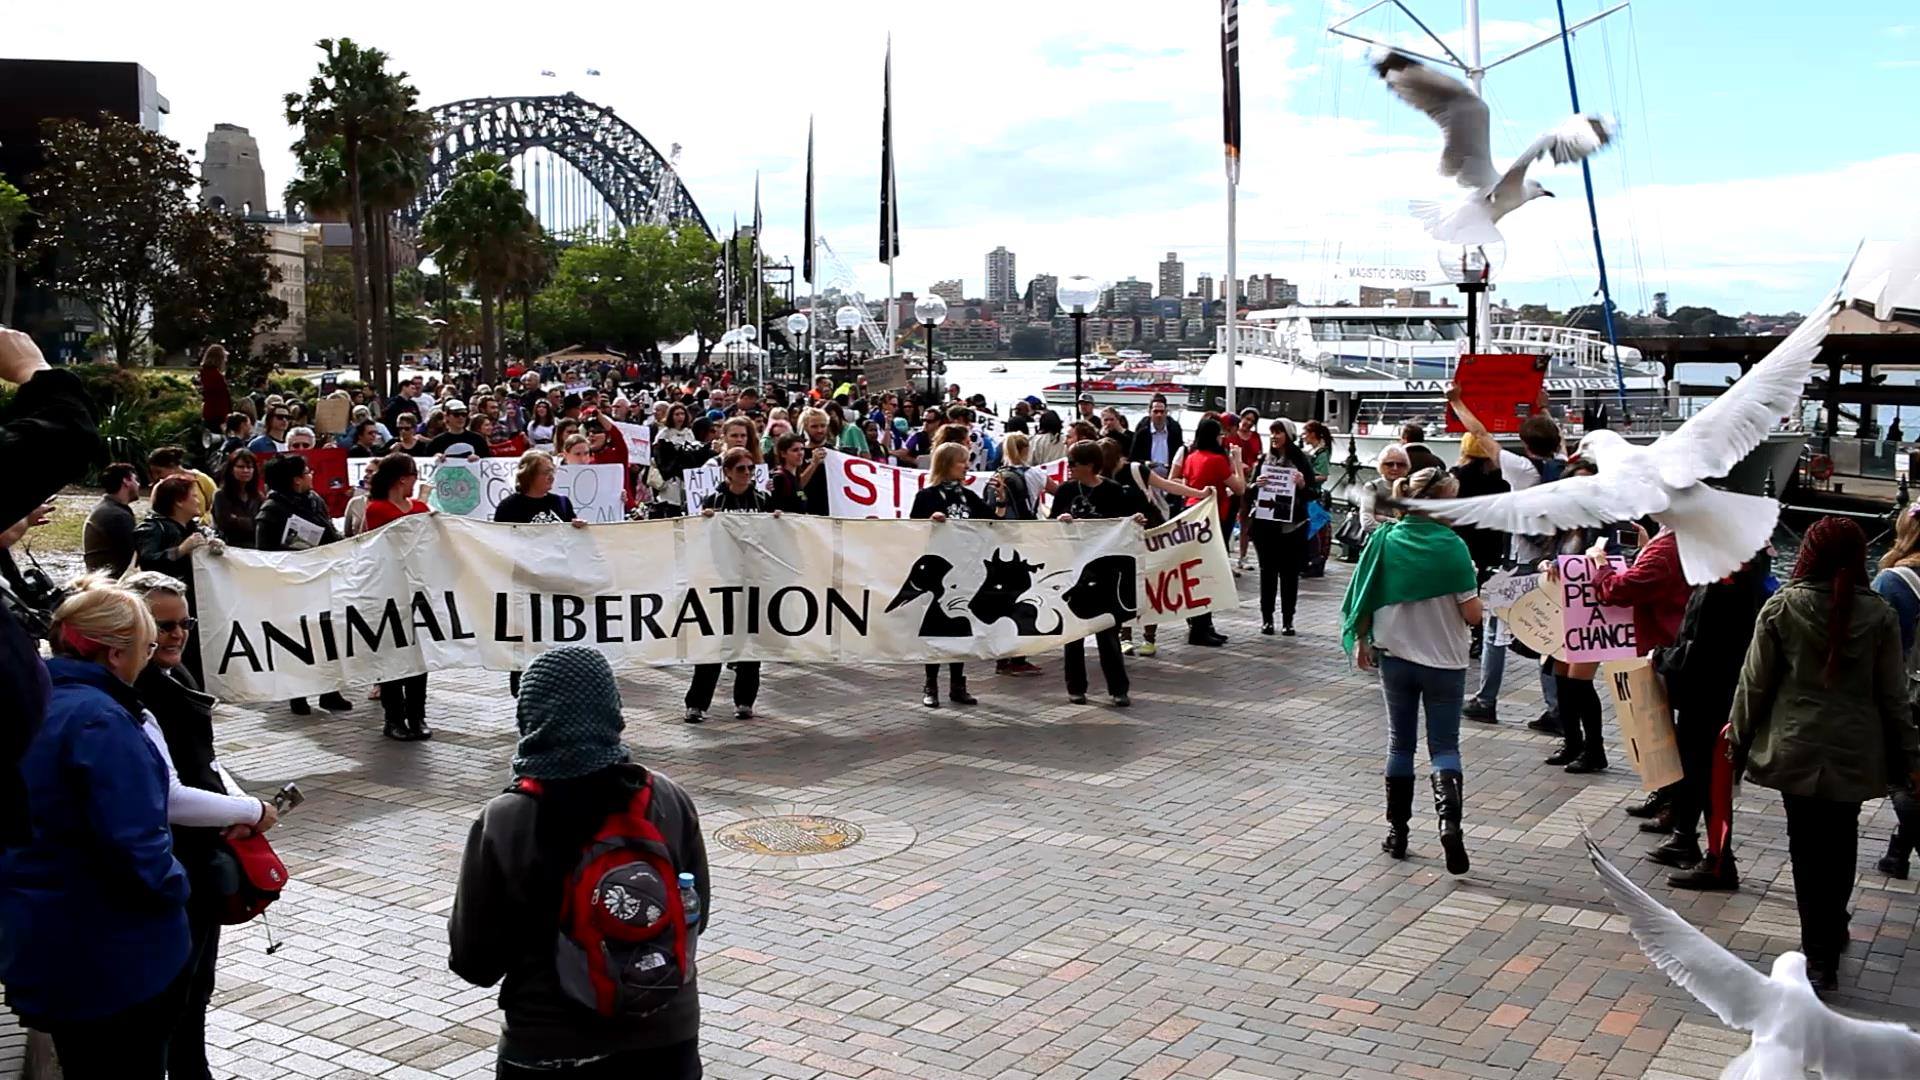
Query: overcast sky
point(1762, 138)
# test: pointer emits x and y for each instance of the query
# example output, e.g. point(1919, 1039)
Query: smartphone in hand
point(287, 798)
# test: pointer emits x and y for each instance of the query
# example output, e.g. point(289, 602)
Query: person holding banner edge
point(737, 494)
point(946, 498)
point(1087, 494)
point(291, 518)
point(390, 498)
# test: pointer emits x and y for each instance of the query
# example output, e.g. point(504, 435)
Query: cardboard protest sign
point(1534, 621)
point(1593, 631)
point(1499, 389)
point(639, 439)
point(1504, 588)
point(700, 484)
point(1646, 721)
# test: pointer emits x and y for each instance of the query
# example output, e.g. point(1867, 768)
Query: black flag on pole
point(889, 210)
point(806, 260)
point(1230, 75)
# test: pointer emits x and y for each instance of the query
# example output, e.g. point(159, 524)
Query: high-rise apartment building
point(1173, 276)
point(1129, 297)
point(1043, 294)
point(1204, 286)
point(1270, 291)
point(1000, 277)
point(952, 291)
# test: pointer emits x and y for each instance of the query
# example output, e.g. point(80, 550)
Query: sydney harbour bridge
point(584, 170)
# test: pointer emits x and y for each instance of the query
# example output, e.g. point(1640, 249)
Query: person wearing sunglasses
point(406, 439)
point(739, 493)
point(274, 439)
point(203, 801)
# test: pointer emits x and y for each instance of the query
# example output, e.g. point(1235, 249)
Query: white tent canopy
point(689, 347)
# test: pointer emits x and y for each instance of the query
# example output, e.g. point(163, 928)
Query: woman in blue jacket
point(93, 924)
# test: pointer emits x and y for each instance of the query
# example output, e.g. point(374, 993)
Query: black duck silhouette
point(929, 578)
point(1107, 586)
point(1000, 596)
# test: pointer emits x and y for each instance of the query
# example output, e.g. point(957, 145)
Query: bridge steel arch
point(638, 184)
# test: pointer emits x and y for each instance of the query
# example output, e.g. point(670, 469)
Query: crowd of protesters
point(115, 811)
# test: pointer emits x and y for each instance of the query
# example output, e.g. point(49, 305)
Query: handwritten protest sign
point(1646, 721)
point(1534, 620)
point(1592, 630)
point(475, 486)
point(639, 441)
point(1499, 389)
point(1504, 588)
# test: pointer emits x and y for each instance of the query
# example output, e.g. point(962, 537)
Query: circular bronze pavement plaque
point(787, 837)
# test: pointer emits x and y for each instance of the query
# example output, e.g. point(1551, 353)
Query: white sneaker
point(695, 716)
point(1147, 648)
point(743, 712)
point(1126, 648)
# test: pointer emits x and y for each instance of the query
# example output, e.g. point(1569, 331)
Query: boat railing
point(1585, 350)
point(1643, 414)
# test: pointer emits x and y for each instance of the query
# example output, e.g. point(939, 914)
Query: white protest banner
point(432, 592)
point(700, 484)
point(639, 441)
point(1503, 589)
point(474, 487)
point(1594, 631)
point(863, 488)
point(1646, 721)
point(1186, 568)
point(1273, 500)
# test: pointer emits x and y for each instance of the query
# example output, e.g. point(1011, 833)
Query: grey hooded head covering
point(568, 715)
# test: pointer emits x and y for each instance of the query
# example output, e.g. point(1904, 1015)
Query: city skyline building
point(1000, 277)
point(1043, 295)
point(952, 290)
point(1173, 276)
point(1204, 286)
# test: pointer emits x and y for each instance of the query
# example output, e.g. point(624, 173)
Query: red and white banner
point(862, 488)
point(1186, 567)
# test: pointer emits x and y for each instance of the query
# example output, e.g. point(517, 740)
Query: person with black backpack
point(584, 838)
point(1149, 491)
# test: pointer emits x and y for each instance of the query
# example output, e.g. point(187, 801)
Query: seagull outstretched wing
point(1740, 996)
point(1579, 136)
point(1544, 509)
point(1452, 104)
point(1714, 440)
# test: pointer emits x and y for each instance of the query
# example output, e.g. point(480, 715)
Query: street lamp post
point(797, 325)
point(931, 310)
point(848, 320)
point(1078, 294)
point(747, 334)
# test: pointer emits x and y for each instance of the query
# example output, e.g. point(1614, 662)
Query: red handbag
point(254, 878)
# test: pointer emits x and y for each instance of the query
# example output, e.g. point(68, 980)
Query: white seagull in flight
point(1717, 531)
point(1793, 1031)
point(1467, 156)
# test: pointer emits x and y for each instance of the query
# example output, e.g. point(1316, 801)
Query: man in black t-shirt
point(457, 435)
point(1089, 495)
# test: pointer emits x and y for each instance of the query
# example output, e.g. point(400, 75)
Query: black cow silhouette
point(1106, 586)
point(929, 578)
point(1000, 596)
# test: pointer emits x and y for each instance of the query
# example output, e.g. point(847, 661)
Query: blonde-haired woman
point(1409, 610)
point(1898, 583)
point(94, 903)
point(946, 498)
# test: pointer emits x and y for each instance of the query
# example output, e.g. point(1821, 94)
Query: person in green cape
point(1409, 611)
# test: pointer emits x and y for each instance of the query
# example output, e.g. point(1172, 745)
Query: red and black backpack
point(623, 948)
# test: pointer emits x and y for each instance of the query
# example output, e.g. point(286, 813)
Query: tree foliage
point(14, 209)
point(109, 198)
point(632, 291)
point(480, 232)
point(220, 289)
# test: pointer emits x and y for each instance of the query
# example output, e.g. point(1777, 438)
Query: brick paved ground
point(1190, 888)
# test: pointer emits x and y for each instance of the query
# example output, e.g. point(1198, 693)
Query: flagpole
point(890, 207)
point(759, 274)
point(1230, 100)
point(1233, 290)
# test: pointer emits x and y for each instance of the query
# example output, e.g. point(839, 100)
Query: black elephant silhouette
point(929, 578)
point(1107, 586)
point(1000, 596)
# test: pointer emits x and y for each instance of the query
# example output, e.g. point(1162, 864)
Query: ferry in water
point(1366, 372)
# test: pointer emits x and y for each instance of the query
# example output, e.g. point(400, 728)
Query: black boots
point(1448, 801)
point(335, 701)
point(1714, 873)
point(1655, 803)
point(1896, 863)
point(957, 692)
point(1681, 851)
point(1399, 812)
point(1572, 743)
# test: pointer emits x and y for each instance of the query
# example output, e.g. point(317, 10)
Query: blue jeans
point(1493, 668)
point(1407, 685)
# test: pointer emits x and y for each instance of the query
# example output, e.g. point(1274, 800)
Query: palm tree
point(394, 170)
point(13, 210)
point(355, 99)
point(480, 233)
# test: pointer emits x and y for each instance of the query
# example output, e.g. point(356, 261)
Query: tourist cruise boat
point(1367, 371)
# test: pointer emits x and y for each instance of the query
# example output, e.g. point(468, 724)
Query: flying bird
point(1793, 1031)
point(1467, 155)
point(1717, 531)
